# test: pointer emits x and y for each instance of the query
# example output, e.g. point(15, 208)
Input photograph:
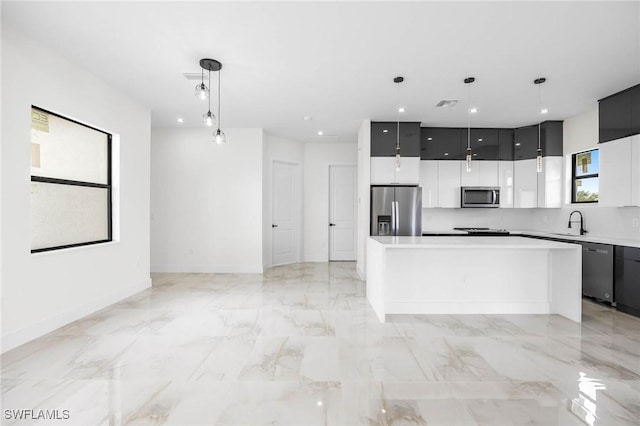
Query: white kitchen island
point(473, 275)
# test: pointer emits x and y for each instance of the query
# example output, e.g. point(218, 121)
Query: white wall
point(41, 292)
point(289, 151)
point(206, 201)
point(364, 179)
point(580, 132)
point(317, 159)
point(443, 219)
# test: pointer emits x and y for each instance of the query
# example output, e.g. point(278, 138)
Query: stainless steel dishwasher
point(597, 271)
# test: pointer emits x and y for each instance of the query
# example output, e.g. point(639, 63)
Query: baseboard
point(14, 339)
point(361, 272)
point(315, 259)
point(209, 269)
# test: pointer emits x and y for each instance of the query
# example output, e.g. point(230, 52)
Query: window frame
point(574, 178)
point(108, 186)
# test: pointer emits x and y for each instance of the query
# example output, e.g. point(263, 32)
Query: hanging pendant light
point(468, 82)
point(398, 80)
point(219, 135)
point(538, 82)
point(202, 91)
point(208, 118)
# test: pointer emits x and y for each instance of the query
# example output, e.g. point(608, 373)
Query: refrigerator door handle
point(393, 218)
point(397, 217)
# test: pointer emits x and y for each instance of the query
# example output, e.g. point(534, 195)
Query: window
point(585, 176)
point(70, 183)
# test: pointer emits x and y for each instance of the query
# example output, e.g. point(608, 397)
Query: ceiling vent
point(192, 76)
point(447, 103)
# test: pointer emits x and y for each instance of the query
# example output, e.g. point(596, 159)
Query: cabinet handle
point(274, 226)
point(332, 224)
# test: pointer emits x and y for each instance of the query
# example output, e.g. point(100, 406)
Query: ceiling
point(335, 61)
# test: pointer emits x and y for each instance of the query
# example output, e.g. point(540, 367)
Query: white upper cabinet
point(550, 182)
point(505, 182)
point(483, 173)
point(429, 183)
point(449, 183)
point(619, 174)
point(383, 171)
point(525, 186)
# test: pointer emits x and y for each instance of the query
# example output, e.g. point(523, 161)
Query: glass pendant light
point(398, 80)
point(468, 82)
point(208, 117)
point(202, 91)
point(219, 135)
point(538, 82)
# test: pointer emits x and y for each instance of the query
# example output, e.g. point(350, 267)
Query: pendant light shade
point(538, 82)
point(202, 91)
point(468, 82)
point(220, 137)
point(398, 80)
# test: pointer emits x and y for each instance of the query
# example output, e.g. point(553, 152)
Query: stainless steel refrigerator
point(396, 210)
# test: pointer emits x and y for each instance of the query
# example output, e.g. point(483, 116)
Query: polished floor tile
point(300, 345)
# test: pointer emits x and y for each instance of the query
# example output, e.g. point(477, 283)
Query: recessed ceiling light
point(518, 144)
point(544, 111)
point(473, 110)
point(429, 139)
point(307, 117)
point(447, 103)
point(320, 133)
point(180, 120)
point(401, 109)
point(385, 131)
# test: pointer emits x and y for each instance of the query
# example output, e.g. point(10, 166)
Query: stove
point(484, 231)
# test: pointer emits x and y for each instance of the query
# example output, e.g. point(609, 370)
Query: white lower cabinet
point(505, 182)
point(550, 183)
point(449, 183)
point(619, 174)
point(525, 188)
point(429, 183)
point(383, 171)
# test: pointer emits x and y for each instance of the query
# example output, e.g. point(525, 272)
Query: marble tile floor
point(300, 345)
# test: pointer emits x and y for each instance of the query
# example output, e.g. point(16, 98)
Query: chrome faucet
point(582, 230)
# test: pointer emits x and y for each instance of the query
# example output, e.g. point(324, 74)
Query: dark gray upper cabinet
point(551, 134)
point(484, 143)
point(525, 142)
point(525, 145)
point(635, 109)
point(617, 118)
point(441, 143)
point(505, 144)
point(384, 137)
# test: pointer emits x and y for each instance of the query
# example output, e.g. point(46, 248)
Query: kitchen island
point(473, 275)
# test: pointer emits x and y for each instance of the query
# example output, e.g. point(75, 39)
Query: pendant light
point(219, 135)
point(468, 82)
point(398, 80)
point(538, 82)
point(210, 65)
point(202, 91)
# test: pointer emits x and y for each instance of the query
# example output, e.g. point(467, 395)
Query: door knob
point(274, 226)
point(332, 224)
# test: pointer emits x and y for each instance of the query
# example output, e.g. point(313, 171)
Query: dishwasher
point(597, 271)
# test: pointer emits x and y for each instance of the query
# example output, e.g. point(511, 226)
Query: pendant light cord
point(398, 119)
point(219, 95)
point(539, 109)
point(209, 88)
point(468, 116)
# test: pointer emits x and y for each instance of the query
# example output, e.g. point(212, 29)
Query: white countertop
point(475, 242)
point(585, 238)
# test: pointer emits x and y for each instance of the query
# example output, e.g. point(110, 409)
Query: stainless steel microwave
point(480, 196)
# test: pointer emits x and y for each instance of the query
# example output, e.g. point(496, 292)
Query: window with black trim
point(585, 176)
point(70, 183)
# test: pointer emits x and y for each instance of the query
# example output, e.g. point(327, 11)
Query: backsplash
point(615, 222)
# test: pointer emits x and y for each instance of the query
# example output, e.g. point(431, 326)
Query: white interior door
point(342, 213)
point(284, 218)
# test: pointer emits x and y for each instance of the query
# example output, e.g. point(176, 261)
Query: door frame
point(297, 209)
point(355, 229)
